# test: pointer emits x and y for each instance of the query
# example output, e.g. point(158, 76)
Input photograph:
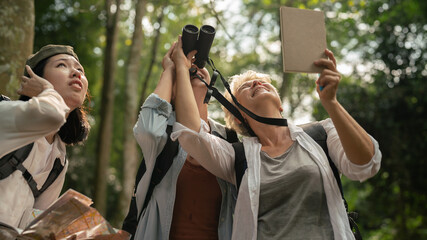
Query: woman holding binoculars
point(189, 202)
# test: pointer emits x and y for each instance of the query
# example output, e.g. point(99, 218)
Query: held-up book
point(303, 37)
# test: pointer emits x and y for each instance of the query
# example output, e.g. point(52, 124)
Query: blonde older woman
point(288, 190)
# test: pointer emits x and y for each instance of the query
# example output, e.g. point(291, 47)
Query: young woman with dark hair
point(50, 114)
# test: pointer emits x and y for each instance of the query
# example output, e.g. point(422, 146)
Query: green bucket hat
point(47, 52)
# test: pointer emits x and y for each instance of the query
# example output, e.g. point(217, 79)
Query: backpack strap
point(162, 165)
point(240, 163)
point(130, 223)
point(53, 175)
point(316, 131)
point(14, 161)
point(231, 135)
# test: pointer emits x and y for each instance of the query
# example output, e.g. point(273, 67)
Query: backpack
point(162, 165)
point(14, 161)
point(316, 131)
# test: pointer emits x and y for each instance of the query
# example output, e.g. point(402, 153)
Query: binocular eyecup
point(193, 39)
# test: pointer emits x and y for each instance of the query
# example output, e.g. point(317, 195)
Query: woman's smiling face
point(255, 93)
point(68, 79)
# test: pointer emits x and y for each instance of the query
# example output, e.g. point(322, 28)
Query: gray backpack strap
point(13, 161)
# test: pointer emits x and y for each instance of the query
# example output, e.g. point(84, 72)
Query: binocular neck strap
point(212, 91)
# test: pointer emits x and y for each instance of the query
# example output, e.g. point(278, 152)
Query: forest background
point(381, 47)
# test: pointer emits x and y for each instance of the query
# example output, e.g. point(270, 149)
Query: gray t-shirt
point(292, 201)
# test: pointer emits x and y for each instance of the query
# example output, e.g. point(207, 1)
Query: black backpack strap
point(130, 223)
point(13, 161)
point(240, 163)
point(231, 135)
point(53, 175)
point(316, 131)
point(162, 165)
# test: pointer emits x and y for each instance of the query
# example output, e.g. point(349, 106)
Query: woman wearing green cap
point(49, 116)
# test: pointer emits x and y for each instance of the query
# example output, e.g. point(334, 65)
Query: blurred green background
point(381, 51)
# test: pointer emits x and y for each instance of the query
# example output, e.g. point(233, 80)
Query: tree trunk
point(130, 154)
point(106, 118)
point(16, 37)
point(154, 49)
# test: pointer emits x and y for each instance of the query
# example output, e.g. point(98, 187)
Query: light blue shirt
point(150, 133)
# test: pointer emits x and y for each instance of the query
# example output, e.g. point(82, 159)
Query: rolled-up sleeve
point(344, 165)
point(150, 128)
point(215, 154)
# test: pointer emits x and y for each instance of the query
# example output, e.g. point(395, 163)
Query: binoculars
point(193, 39)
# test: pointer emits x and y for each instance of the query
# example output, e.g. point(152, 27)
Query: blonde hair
point(235, 82)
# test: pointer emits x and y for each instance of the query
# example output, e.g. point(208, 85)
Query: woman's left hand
point(179, 57)
point(327, 83)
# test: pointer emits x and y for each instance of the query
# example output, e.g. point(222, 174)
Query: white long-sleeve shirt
point(217, 156)
point(21, 123)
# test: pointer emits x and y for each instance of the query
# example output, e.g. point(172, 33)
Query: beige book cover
point(303, 37)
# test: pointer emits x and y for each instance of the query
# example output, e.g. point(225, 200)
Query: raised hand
point(33, 85)
point(327, 83)
point(179, 57)
point(167, 59)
